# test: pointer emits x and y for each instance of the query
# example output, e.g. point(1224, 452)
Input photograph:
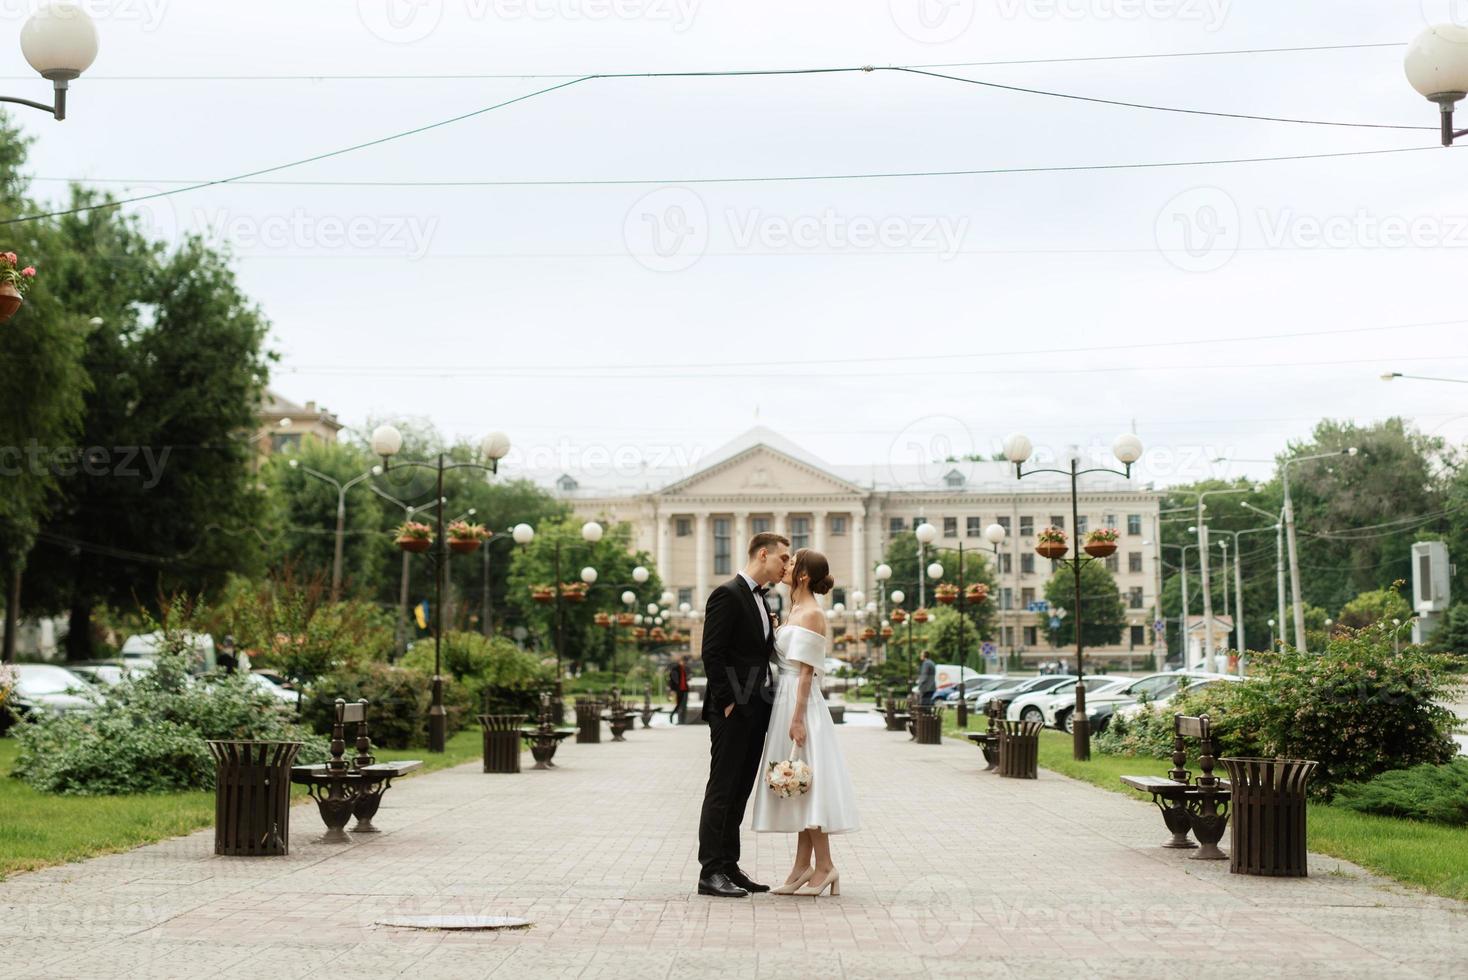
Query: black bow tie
point(761, 590)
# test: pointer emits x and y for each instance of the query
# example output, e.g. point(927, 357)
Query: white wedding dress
point(830, 804)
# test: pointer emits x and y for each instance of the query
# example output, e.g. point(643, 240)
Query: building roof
point(275, 405)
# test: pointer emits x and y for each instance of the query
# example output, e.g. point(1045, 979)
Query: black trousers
point(680, 706)
point(736, 744)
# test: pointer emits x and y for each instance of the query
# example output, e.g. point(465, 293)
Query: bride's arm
point(815, 621)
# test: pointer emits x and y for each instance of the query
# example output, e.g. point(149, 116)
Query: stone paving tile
point(955, 873)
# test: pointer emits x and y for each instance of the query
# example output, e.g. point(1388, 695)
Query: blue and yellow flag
point(420, 614)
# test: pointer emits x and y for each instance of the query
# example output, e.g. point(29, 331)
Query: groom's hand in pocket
point(729, 709)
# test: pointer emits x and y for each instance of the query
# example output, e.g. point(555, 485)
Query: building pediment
point(762, 471)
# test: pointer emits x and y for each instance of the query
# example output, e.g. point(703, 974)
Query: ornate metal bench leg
point(364, 808)
point(336, 810)
point(1175, 815)
point(1208, 817)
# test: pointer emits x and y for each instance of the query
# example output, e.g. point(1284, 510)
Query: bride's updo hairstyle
point(813, 563)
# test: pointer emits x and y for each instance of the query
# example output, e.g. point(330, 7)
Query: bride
point(800, 716)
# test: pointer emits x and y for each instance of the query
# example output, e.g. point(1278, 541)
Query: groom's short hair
point(766, 539)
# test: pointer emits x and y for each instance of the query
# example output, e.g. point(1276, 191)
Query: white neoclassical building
point(697, 524)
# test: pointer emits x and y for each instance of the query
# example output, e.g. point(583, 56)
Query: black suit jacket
point(736, 653)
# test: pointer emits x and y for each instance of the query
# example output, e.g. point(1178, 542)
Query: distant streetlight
point(926, 534)
point(995, 535)
point(1392, 375)
point(341, 515)
point(60, 42)
point(1437, 67)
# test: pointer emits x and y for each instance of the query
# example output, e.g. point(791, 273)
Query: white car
point(147, 645)
point(1032, 707)
point(1018, 687)
point(1130, 711)
point(1058, 711)
point(273, 689)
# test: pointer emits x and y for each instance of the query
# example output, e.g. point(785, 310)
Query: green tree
point(1451, 635)
point(1376, 606)
point(303, 511)
point(977, 567)
point(1102, 611)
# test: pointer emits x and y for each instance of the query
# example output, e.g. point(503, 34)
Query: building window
point(1057, 521)
point(1139, 636)
point(1031, 637)
point(1109, 521)
point(799, 533)
point(566, 483)
point(1134, 561)
point(1026, 597)
point(759, 525)
point(1134, 597)
point(683, 526)
point(1004, 523)
point(1027, 563)
point(1083, 524)
point(722, 564)
point(838, 526)
point(1026, 526)
point(950, 527)
point(1006, 563)
point(1113, 563)
point(685, 595)
point(954, 480)
point(286, 442)
point(1006, 598)
point(973, 527)
point(838, 594)
point(1134, 524)
point(895, 526)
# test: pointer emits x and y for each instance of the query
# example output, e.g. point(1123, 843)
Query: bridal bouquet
point(788, 777)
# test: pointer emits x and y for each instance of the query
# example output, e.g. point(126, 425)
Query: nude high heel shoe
point(790, 887)
point(834, 881)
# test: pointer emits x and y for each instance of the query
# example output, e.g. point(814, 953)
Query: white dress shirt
point(765, 618)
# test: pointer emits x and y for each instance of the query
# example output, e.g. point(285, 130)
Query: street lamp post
point(521, 534)
point(882, 573)
point(926, 534)
point(1127, 449)
point(1279, 564)
point(60, 42)
point(1437, 67)
point(1202, 528)
point(341, 515)
point(387, 442)
point(1239, 584)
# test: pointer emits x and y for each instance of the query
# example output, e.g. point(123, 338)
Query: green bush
point(1150, 733)
point(497, 676)
point(1426, 792)
point(398, 698)
point(149, 734)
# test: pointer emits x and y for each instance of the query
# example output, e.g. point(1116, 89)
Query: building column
point(780, 522)
point(663, 532)
point(741, 538)
point(818, 530)
point(858, 548)
point(701, 559)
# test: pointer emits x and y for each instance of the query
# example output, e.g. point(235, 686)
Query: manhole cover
point(458, 922)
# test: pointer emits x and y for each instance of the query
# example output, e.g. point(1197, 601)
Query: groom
point(738, 645)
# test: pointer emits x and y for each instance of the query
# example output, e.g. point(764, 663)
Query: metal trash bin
point(252, 797)
point(588, 720)
point(1019, 749)
point(838, 713)
point(927, 725)
point(1268, 833)
point(501, 742)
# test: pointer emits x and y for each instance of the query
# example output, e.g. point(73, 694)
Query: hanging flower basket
point(899, 616)
point(465, 538)
point(13, 283)
point(657, 635)
point(978, 592)
point(921, 616)
point(1051, 543)
point(542, 594)
point(573, 591)
point(946, 593)
point(1101, 542)
point(625, 619)
point(602, 619)
point(886, 631)
point(868, 633)
point(639, 633)
point(415, 537)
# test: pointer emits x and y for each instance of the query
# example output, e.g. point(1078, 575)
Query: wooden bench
point(343, 790)
point(988, 741)
point(1199, 805)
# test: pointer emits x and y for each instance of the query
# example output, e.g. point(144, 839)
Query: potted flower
point(602, 619)
point(978, 592)
point(464, 537)
point(1101, 542)
point(886, 631)
point(573, 591)
point(1050, 543)
point(946, 593)
point(920, 617)
point(639, 633)
point(14, 281)
point(657, 635)
point(626, 619)
point(542, 594)
point(414, 536)
point(899, 616)
point(868, 633)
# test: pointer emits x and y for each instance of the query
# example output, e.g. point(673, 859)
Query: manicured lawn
point(37, 829)
point(1431, 856)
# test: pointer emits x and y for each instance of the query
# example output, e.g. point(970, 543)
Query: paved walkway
point(956, 874)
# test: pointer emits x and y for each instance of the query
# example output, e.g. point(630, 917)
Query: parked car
point(269, 686)
point(1031, 707)
point(970, 688)
point(1059, 711)
point(147, 645)
point(1137, 707)
point(49, 688)
point(1018, 686)
point(949, 689)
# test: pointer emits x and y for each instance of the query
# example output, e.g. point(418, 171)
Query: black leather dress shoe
point(719, 886)
point(744, 881)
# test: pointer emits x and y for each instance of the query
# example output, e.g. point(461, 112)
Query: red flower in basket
point(1051, 543)
point(1101, 542)
point(414, 536)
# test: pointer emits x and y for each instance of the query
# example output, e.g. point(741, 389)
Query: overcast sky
point(865, 319)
